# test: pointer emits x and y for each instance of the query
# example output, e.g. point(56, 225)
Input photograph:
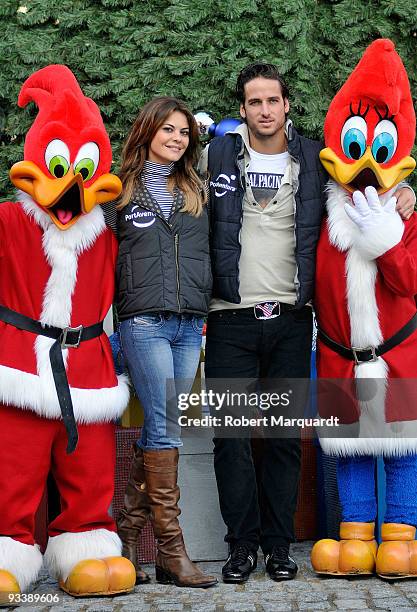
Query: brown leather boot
point(172, 563)
point(135, 513)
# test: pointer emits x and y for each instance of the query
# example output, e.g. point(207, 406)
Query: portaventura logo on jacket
point(139, 218)
point(223, 184)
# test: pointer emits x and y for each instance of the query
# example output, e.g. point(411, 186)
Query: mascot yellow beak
point(64, 199)
point(365, 171)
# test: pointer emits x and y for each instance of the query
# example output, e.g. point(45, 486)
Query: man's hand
point(406, 200)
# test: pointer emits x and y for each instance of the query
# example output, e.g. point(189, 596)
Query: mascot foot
point(397, 554)
point(354, 555)
point(108, 576)
point(8, 585)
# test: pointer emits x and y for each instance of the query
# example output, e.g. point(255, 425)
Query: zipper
point(176, 240)
point(241, 164)
point(296, 279)
point(177, 263)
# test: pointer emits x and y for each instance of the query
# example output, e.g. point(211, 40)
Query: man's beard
point(263, 136)
point(266, 136)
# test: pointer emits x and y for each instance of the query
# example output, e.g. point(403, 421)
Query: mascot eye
point(87, 160)
point(385, 141)
point(353, 137)
point(57, 158)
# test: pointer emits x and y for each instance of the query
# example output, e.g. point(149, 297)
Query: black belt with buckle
point(270, 310)
point(68, 337)
point(369, 353)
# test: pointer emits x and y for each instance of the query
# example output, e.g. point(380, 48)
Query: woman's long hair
point(135, 151)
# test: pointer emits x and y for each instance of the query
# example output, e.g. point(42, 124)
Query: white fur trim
point(342, 230)
point(361, 275)
point(66, 550)
point(38, 394)
point(57, 297)
point(22, 560)
point(362, 306)
point(351, 447)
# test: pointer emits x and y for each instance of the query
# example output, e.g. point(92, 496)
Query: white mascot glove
point(380, 226)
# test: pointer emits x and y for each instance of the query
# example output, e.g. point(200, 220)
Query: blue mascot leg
point(401, 489)
point(356, 484)
point(397, 554)
point(355, 553)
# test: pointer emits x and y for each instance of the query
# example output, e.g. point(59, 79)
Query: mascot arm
point(398, 266)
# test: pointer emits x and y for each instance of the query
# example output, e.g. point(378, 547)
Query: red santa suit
point(372, 298)
point(48, 275)
point(57, 260)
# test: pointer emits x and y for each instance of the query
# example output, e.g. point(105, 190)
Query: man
point(266, 201)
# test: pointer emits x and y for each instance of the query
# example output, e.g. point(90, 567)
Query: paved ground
point(307, 592)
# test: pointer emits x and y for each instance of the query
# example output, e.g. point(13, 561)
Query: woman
point(164, 284)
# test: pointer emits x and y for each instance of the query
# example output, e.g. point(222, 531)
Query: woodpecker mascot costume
point(365, 303)
point(59, 394)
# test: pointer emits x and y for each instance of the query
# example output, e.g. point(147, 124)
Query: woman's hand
point(406, 200)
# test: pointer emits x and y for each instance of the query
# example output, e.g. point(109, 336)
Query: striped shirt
point(155, 178)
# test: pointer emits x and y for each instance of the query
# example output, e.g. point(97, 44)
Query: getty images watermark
point(235, 409)
point(370, 408)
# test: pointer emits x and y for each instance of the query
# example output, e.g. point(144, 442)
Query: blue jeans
point(161, 350)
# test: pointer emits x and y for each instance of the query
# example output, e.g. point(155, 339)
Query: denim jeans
point(161, 350)
point(241, 346)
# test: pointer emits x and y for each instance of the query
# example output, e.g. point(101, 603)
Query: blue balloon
point(226, 125)
point(211, 130)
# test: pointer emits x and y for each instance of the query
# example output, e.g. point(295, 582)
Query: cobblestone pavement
point(306, 592)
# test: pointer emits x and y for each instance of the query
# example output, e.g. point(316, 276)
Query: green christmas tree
point(124, 52)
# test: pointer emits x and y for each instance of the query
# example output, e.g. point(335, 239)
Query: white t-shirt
point(267, 267)
point(265, 174)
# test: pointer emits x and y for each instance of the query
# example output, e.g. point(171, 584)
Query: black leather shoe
point(279, 564)
point(239, 565)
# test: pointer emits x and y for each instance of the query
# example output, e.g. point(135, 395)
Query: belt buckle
point(66, 331)
point(266, 310)
point(355, 350)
